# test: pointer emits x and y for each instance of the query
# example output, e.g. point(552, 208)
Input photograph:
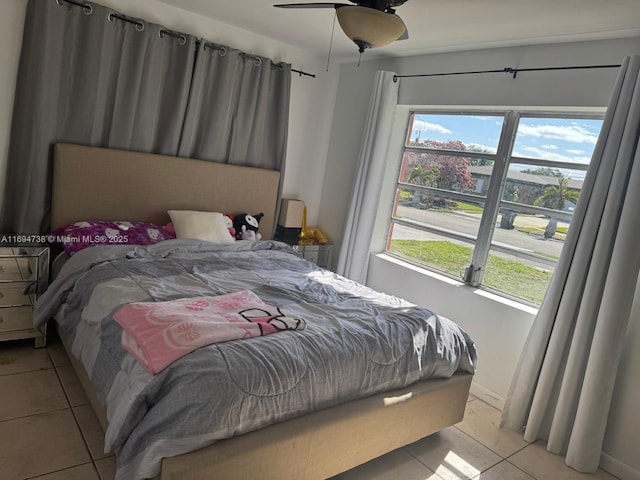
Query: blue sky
point(566, 140)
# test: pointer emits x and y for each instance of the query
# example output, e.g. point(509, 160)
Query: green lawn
point(508, 276)
point(445, 256)
point(468, 207)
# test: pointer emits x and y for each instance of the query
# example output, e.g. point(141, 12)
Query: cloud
point(423, 126)
point(550, 147)
point(573, 133)
point(576, 151)
point(535, 152)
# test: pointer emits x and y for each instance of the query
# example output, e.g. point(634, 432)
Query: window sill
point(490, 295)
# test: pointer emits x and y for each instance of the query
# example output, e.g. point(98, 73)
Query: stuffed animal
point(228, 221)
point(249, 235)
point(247, 226)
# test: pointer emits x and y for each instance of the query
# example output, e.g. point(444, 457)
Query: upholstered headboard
point(91, 183)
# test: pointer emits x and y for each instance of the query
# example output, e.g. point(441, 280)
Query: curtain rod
point(248, 55)
point(512, 71)
point(182, 38)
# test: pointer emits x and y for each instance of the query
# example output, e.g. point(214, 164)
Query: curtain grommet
point(139, 26)
point(87, 9)
point(110, 16)
point(222, 51)
point(182, 40)
point(60, 2)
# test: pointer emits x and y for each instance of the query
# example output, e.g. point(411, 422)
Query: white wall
point(498, 328)
point(310, 112)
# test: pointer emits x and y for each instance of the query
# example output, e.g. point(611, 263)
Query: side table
point(318, 253)
point(24, 275)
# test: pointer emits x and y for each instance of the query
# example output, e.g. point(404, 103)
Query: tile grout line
point(485, 446)
point(480, 442)
point(518, 451)
point(35, 414)
point(68, 407)
point(516, 466)
point(63, 469)
point(421, 462)
point(503, 457)
point(77, 422)
point(39, 369)
point(75, 417)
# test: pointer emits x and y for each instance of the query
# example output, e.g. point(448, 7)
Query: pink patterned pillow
point(80, 235)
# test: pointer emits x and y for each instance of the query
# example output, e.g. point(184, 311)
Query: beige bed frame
point(94, 183)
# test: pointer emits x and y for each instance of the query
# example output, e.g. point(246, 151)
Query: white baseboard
point(487, 395)
point(617, 468)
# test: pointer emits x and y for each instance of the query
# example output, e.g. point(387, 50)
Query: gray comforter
point(357, 342)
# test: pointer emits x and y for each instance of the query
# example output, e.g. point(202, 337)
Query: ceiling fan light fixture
point(368, 27)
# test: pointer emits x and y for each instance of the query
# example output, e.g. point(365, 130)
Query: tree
point(511, 192)
point(419, 175)
point(555, 198)
point(480, 162)
point(544, 171)
point(453, 170)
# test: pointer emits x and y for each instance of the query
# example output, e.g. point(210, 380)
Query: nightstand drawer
point(310, 252)
point(14, 296)
point(318, 253)
point(9, 269)
point(16, 318)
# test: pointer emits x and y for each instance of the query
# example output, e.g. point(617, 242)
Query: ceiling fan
point(369, 23)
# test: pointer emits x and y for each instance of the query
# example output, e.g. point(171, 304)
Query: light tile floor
point(48, 431)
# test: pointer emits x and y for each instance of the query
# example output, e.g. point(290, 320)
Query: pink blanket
point(159, 333)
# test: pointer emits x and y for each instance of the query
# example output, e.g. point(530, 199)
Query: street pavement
point(468, 223)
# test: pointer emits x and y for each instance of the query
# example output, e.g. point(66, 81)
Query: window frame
point(493, 203)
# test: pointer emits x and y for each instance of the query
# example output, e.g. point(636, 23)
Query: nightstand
point(24, 274)
point(318, 253)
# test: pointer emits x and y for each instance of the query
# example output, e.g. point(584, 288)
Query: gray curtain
point(89, 76)
point(564, 381)
point(365, 198)
point(238, 109)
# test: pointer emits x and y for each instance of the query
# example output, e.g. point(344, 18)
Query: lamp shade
point(291, 212)
point(368, 27)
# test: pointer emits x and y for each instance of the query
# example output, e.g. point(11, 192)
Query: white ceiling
point(434, 25)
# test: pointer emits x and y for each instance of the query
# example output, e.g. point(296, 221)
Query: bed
point(388, 398)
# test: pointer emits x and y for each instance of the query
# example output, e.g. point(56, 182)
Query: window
point(488, 197)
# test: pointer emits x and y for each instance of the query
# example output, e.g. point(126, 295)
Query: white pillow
point(209, 226)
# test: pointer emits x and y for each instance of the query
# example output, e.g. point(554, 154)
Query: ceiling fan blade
point(311, 5)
